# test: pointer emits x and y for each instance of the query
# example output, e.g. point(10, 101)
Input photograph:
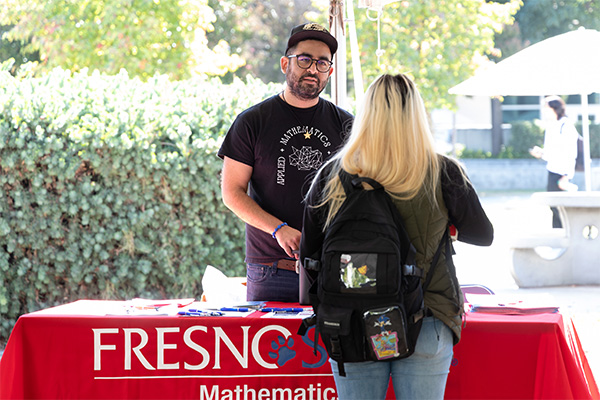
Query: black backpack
point(368, 296)
point(579, 163)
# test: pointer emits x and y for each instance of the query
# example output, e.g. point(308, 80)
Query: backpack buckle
point(336, 348)
point(312, 264)
point(412, 270)
point(307, 323)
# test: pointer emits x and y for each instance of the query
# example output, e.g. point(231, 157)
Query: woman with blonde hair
point(391, 143)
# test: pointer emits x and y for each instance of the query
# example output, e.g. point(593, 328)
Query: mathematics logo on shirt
point(301, 154)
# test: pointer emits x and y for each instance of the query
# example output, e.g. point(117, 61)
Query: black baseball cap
point(312, 31)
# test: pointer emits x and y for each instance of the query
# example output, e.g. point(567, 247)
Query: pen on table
point(194, 310)
point(199, 313)
point(276, 309)
point(241, 309)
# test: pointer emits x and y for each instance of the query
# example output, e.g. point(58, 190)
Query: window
point(509, 116)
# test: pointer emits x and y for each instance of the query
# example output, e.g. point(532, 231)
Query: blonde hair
point(390, 142)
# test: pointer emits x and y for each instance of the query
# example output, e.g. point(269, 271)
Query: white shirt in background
point(560, 147)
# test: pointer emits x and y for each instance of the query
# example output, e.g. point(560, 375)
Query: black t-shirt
point(285, 146)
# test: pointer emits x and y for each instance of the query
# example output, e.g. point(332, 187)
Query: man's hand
point(289, 240)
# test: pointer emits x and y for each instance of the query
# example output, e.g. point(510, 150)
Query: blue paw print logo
point(283, 350)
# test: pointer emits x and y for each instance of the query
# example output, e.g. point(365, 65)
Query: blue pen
point(276, 309)
point(213, 313)
point(200, 313)
point(241, 309)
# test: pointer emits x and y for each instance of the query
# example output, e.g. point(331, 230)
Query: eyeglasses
point(306, 62)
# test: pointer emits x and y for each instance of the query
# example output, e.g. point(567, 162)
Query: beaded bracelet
point(278, 228)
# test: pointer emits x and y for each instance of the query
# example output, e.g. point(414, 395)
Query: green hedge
point(524, 135)
point(109, 187)
point(594, 139)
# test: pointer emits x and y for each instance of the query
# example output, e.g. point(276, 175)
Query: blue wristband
point(278, 228)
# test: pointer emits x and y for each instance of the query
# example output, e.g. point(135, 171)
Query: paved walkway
point(512, 213)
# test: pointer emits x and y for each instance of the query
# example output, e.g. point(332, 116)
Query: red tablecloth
point(63, 353)
point(535, 356)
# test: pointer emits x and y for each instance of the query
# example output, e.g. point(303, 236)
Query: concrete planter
point(518, 174)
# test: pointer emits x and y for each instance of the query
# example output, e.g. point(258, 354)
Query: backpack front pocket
point(386, 331)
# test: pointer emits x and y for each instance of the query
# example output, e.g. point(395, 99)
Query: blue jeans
point(421, 376)
point(268, 283)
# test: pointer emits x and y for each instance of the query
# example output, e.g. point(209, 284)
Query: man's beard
point(305, 91)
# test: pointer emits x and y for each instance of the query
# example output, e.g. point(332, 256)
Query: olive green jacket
point(426, 219)
point(425, 224)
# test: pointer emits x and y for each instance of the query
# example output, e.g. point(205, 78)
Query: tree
point(13, 50)
point(144, 37)
point(258, 31)
point(439, 43)
point(541, 19)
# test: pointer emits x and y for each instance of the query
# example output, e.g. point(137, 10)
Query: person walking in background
point(270, 150)
point(559, 151)
point(391, 143)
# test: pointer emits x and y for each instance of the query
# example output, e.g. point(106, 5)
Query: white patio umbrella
point(561, 65)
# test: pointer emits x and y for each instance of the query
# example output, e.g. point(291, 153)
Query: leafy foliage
point(14, 50)
point(525, 135)
point(594, 139)
point(145, 37)
point(258, 31)
point(110, 187)
point(541, 19)
point(439, 42)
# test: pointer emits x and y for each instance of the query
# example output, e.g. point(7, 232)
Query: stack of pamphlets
point(503, 304)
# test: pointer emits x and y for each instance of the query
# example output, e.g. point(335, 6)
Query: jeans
point(423, 375)
point(268, 283)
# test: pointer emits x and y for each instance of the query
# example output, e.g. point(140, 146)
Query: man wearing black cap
point(269, 152)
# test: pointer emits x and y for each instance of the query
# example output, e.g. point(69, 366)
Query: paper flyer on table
point(506, 304)
point(304, 313)
point(140, 306)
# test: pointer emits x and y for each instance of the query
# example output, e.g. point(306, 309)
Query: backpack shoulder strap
point(353, 182)
point(346, 180)
point(356, 182)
